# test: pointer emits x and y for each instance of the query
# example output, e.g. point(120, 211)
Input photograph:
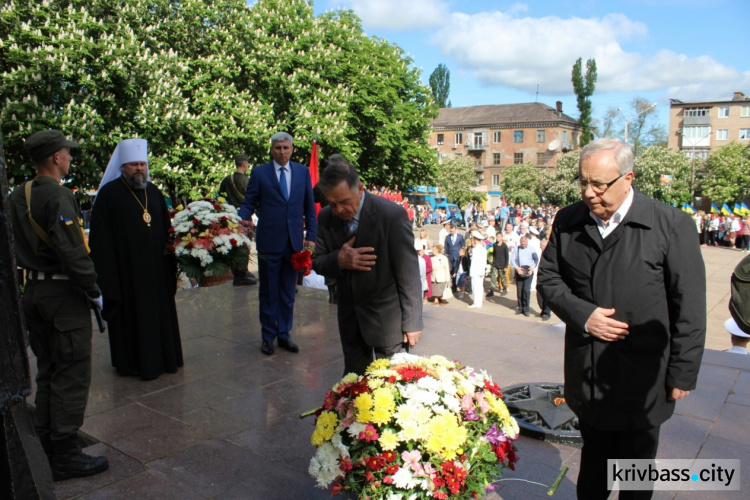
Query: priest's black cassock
point(137, 277)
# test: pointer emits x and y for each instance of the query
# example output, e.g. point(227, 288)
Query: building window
point(478, 139)
point(440, 140)
point(497, 158)
point(518, 136)
point(540, 135)
point(699, 132)
point(722, 134)
point(745, 111)
point(517, 158)
point(495, 179)
point(696, 111)
point(724, 112)
point(459, 138)
point(745, 133)
point(565, 136)
point(542, 158)
point(496, 137)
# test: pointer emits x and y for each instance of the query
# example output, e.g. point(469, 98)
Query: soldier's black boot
point(68, 461)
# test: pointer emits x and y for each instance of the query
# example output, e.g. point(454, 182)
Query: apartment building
point(697, 128)
point(499, 135)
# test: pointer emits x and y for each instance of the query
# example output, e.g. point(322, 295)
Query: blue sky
point(498, 52)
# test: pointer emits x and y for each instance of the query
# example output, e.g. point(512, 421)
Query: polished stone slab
point(226, 425)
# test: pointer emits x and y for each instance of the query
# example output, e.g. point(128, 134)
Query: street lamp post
point(628, 120)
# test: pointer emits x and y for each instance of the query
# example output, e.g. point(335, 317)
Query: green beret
point(42, 145)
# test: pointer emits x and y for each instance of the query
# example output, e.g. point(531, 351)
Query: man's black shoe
point(289, 345)
point(505, 292)
point(526, 313)
point(76, 464)
point(545, 317)
point(490, 294)
point(266, 347)
point(248, 274)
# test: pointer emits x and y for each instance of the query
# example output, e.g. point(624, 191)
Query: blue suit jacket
point(280, 220)
point(452, 250)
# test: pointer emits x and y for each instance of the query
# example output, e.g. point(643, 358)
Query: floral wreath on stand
point(209, 239)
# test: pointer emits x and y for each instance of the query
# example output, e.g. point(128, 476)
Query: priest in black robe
point(137, 275)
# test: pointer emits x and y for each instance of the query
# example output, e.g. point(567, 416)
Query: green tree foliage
point(583, 86)
point(559, 187)
point(440, 83)
point(522, 183)
point(204, 80)
point(656, 161)
point(455, 178)
point(727, 175)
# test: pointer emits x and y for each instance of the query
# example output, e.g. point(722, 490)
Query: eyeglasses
point(597, 187)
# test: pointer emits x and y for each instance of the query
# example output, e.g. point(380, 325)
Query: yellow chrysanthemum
point(363, 406)
point(324, 428)
point(406, 414)
point(497, 406)
point(388, 440)
point(445, 436)
point(378, 364)
point(383, 398)
point(410, 431)
point(364, 416)
point(380, 416)
point(374, 383)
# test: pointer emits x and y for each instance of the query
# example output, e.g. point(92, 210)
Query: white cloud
point(400, 14)
point(503, 50)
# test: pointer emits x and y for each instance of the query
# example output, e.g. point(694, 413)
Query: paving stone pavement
point(226, 425)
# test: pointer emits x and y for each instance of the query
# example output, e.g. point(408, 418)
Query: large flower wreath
point(413, 428)
point(209, 239)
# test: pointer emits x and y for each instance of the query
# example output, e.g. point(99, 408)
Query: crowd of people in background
point(732, 231)
point(505, 244)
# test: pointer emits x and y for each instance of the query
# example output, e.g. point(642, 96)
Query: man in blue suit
point(453, 243)
point(281, 193)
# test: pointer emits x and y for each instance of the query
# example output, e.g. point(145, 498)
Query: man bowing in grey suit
point(365, 242)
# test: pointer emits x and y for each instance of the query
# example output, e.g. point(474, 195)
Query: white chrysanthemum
point(403, 479)
point(324, 466)
point(339, 444)
point(452, 403)
point(405, 358)
point(394, 496)
point(429, 384)
point(427, 398)
point(439, 409)
point(355, 429)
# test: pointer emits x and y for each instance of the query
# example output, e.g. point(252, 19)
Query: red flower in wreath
point(302, 261)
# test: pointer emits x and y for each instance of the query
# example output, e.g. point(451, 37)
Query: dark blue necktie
point(351, 227)
point(282, 182)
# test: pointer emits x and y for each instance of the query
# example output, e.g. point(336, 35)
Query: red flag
point(314, 170)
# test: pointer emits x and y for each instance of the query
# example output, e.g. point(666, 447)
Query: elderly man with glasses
point(626, 275)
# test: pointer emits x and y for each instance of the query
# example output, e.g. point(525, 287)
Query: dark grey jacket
point(650, 270)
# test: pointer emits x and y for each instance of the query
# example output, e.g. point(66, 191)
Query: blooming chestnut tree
point(202, 81)
point(655, 161)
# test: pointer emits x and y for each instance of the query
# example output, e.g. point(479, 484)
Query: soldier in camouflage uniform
point(60, 286)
